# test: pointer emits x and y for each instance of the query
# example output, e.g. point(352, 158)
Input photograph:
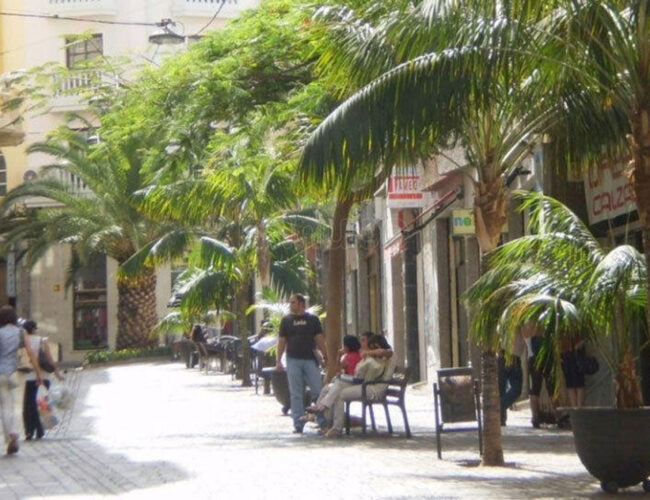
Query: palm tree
point(91, 187)
point(598, 55)
point(563, 278)
point(448, 87)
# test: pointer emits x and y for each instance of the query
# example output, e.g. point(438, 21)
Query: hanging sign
point(405, 188)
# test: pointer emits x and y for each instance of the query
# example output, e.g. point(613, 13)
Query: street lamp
point(164, 35)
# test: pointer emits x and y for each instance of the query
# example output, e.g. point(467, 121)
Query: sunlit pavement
point(159, 430)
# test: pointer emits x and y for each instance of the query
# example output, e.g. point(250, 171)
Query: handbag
point(43, 360)
point(588, 364)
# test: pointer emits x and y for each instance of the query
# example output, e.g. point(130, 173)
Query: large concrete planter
point(614, 445)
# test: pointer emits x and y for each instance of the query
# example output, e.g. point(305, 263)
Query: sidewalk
point(158, 430)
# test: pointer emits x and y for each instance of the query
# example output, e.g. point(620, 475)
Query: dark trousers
point(511, 379)
point(31, 420)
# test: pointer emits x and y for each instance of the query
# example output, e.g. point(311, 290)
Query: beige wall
point(50, 304)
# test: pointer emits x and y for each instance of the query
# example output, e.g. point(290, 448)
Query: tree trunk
point(136, 310)
point(241, 304)
point(640, 178)
point(335, 284)
point(263, 257)
point(489, 218)
point(492, 449)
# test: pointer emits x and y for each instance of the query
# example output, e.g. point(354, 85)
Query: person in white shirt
point(11, 339)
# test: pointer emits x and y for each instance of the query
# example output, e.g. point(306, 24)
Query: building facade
point(69, 32)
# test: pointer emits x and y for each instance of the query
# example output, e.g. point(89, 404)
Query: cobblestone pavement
point(158, 430)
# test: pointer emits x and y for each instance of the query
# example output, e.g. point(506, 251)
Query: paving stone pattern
point(159, 430)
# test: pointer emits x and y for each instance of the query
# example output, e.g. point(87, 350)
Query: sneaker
point(535, 423)
point(297, 430)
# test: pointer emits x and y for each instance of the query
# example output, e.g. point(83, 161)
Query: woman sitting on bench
point(330, 407)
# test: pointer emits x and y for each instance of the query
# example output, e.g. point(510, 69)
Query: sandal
point(12, 447)
point(333, 433)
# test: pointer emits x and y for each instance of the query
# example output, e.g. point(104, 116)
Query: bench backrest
point(457, 395)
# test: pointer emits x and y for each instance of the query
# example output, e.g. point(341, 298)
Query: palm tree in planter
point(563, 278)
point(89, 188)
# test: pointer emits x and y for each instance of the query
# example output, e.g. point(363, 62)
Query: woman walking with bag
point(31, 418)
point(12, 338)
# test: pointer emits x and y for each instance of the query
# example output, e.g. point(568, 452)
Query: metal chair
point(394, 395)
point(457, 400)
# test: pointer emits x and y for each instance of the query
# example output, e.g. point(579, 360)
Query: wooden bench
point(394, 395)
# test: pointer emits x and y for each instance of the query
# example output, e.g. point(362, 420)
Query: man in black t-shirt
point(300, 334)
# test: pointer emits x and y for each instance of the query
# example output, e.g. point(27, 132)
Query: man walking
point(300, 334)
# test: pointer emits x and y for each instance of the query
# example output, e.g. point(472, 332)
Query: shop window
point(90, 311)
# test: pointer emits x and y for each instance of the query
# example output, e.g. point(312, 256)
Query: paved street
point(158, 430)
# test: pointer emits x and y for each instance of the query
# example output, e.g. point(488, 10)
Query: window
point(3, 175)
point(79, 51)
point(90, 308)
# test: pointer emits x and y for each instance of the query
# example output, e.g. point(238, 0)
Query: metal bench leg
point(406, 420)
point(388, 422)
point(347, 418)
point(363, 416)
point(372, 418)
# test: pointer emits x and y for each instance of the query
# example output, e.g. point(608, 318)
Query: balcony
point(76, 187)
point(71, 91)
point(83, 7)
point(207, 8)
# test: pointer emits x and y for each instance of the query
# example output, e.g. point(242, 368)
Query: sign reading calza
point(608, 191)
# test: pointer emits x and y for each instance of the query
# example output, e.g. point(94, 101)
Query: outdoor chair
point(394, 395)
point(457, 401)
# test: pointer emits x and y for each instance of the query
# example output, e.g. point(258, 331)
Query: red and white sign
point(608, 191)
point(405, 188)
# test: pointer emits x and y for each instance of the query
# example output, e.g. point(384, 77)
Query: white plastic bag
point(60, 397)
point(45, 412)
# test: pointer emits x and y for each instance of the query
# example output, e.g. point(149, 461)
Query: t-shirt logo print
point(299, 322)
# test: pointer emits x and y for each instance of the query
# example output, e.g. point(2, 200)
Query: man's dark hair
point(8, 316)
point(30, 326)
point(380, 340)
point(300, 298)
point(352, 343)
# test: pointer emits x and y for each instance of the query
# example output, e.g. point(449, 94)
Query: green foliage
point(564, 280)
point(107, 356)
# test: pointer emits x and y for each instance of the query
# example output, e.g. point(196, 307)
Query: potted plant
point(563, 278)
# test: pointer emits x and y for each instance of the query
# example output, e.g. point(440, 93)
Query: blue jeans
point(299, 373)
point(510, 383)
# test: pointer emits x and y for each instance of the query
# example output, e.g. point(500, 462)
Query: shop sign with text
point(405, 188)
point(609, 192)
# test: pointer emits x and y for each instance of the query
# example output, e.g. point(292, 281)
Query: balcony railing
point(76, 186)
point(207, 8)
point(83, 7)
point(72, 90)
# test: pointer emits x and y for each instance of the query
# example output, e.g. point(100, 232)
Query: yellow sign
point(56, 288)
point(462, 223)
